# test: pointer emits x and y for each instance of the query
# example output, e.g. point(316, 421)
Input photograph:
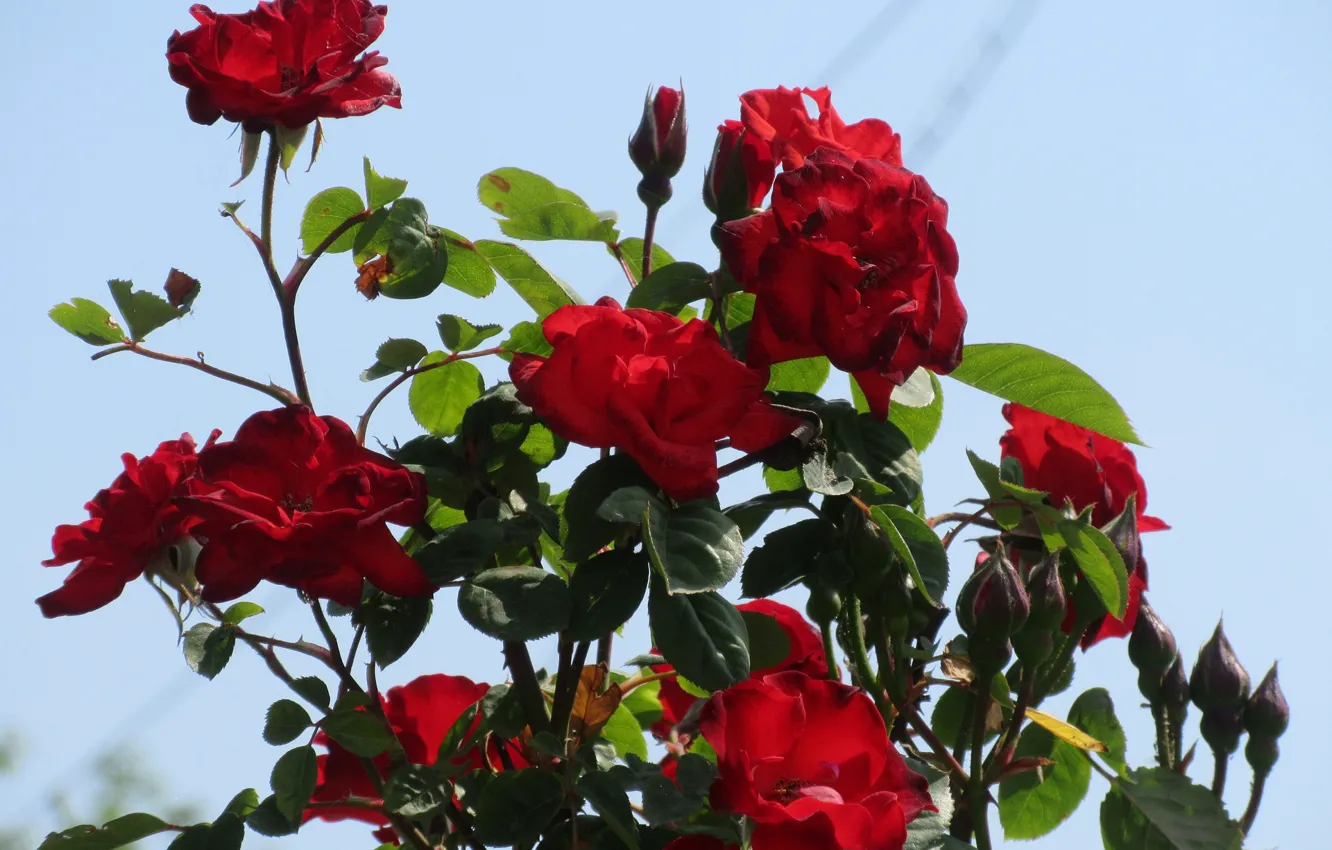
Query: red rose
point(657, 147)
point(805, 654)
point(421, 714)
point(287, 62)
point(852, 261)
point(740, 174)
point(131, 523)
point(808, 761)
point(778, 116)
point(1090, 470)
point(659, 389)
point(296, 500)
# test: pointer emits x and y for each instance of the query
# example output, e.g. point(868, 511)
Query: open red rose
point(130, 525)
point(1074, 464)
point(421, 713)
point(805, 654)
point(852, 261)
point(659, 389)
point(779, 117)
point(294, 499)
point(287, 62)
point(809, 762)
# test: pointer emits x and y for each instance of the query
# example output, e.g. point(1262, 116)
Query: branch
point(266, 214)
point(406, 376)
point(271, 390)
point(624, 264)
point(296, 276)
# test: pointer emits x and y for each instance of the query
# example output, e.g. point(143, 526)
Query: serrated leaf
point(541, 290)
point(607, 797)
point(583, 529)
point(605, 592)
point(143, 312)
point(701, 635)
point(1100, 564)
point(392, 624)
point(293, 782)
point(624, 733)
point(1044, 382)
point(313, 690)
point(1156, 809)
point(804, 376)
point(750, 515)
point(285, 721)
point(438, 398)
point(1008, 516)
point(324, 213)
point(381, 191)
point(468, 271)
point(1094, 713)
point(267, 820)
point(632, 251)
point(514, 191)
point(460, 550)
point(561, 220)
point(785, 556)
point(918, 546)
point(920, 424)
point(515, 603)
point(693, 547)
point(208, 648)
point(515, 806)
point(114, 833)
point(87, 320)
point(415, 790)
point(525, 338)
point(671, 287)
point(239, 612)
point(458, 334)
point(361, 732)
point(400, 355)
point(1033, 803)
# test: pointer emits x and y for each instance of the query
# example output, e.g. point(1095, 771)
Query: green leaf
point(918, 546)
point(535, 208)
point(1156, 809)
point(314, 691)
point(525, 338)
point(239, 612)
point(583, 529)
point(693, 547)
point(785, 556)
point(605, 592)
point(701, 635)
point(515, 603)
point(541, 290)
point(456, 740)
point(516, 805)
point(415, 790)
point(769, 645)
point(1044, 382)
point(243, 803)
point(460, 550)
point(606, 796)
point(1094, 713)
point(250, 144)
point(417, 251)
point(381, 191)
point(632, 251)
point(671, 287)
point(784, 480)
point(458, 334)
point(750, 515)
point(87, 320)
point(400, 354)
point(143, 312)
point(1100, 564)
point(392, 624)
point(361, 732)
point(1033, 803)
point(324, 213)
point(920, 424)
point(115, 833)
point(267, 820)
point(513, 191)
point(802, 376)
point(288, 140)
point(439, 397)
point(929, 831)
point(987, 473)
point(285, 721)
point(293, 781)
point(468, 271)
point(624, 733)
point(208, 648)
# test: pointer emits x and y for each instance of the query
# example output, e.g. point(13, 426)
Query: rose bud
point(739, 174)
point(1151, 649)
point(1175, 691)
point(1045, 589)
point(1267, 715)
point(1219, 682)
point(657, 147)
point(993, 604)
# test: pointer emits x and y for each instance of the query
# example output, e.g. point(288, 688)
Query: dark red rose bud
point(657, 147)
point(1175, 691)
point(1221, 730)
point(1267, 715)
point(739, 174)
point(1123, 532)
point(1045, 589)
point(1219, 682)
point(993, 604)
point(1151, 646)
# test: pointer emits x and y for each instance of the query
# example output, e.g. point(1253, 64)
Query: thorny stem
point(1255, 800)
point(266, 214)
point(854, 626)
point(519, 662)
point(649, 234)
point(282, 395)
point(1003, 751)
point(1063, 656)
point(1165, 749)
point(624, 263)
point(290, 334)
point(979, 797)
point(1222, 762)
point(349, 682)
point(939, 748)
point(406, 376)
point(963, 521)
point(830, 651)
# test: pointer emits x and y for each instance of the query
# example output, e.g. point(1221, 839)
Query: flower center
point(787, 790)
point(291, 78)
point(291, 504)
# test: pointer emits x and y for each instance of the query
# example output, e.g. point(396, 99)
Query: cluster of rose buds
point(992, 607)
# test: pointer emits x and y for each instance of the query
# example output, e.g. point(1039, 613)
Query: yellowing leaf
point(1065, 732)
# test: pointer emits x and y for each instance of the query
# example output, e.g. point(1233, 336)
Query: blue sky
point(1139, 187)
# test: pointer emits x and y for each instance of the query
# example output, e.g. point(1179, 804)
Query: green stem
point(1165, 749)
point(853, 625)
point(830, 651)
point(938, 746)
point(294, 349)
point(1255, 800)
point(1059, 664)
point(649, 234)
point(979, 798)
point(266, 214)
point(1003, 751)
point(364, 424)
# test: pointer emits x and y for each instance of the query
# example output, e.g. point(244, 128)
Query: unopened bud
point(1219, 682)
point(993, 604)
point(824, 604)
point(1267, 715)
point(1151, 647)
point(1175, 691)
point(1045, 589)
point(657, 147)
point(1123, 532)
point(1221, 730)
point(739, 174)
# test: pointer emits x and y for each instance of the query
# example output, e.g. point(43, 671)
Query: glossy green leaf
point(460, 550)
point(415, 790)
point(920, 423)
point(624, 733)
point(1008, 516)
point(515, 603)
point(1100, 564)
point(87, 320)
point(561, 220)
point(400, 354)
point(239, 612)
point(803, 376)
point(929, 830)
point(606, 591)
point(1033, 803)
point(918, 546)
point(514, 191)
point(1044, 382)
point(458, 334)
point(208, 648)
point(516, 805)
point(417, 251)
point(143, 312)
point(392, 624)
point(541, 290)
point(285, 721)
point(701, 634)
point(583, 529)
point(750, 515)
point(525, 338)
point(361, 732)
point(313, 690)
point(1156, 809)
point(293, 781)
point(468, 271)
point(324, 213)
point(124, 830)
point(607, 797)
point(693, 547)
point(439, 397)
point(1094, 713)
point(671, 287)
point(785, 556)
point(783, 480)
point(381, 191)
point(632, 251)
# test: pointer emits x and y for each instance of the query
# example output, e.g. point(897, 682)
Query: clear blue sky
point(1141, 188)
